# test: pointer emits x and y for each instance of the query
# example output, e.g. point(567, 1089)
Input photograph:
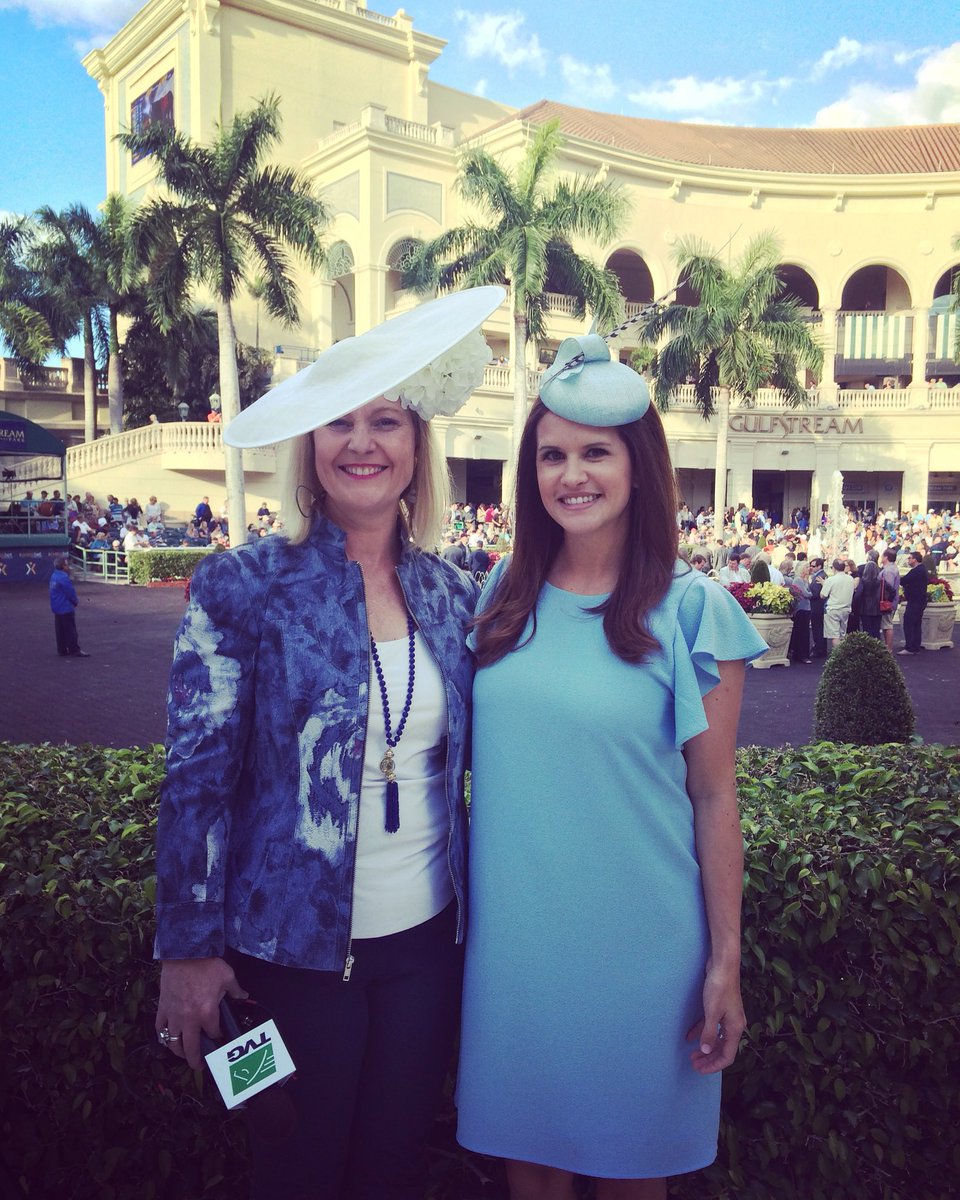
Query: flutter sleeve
point(711, 628)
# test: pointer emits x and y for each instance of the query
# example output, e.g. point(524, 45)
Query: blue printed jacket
point(267, 710)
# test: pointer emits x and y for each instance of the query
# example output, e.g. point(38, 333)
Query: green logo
point(252, 1068)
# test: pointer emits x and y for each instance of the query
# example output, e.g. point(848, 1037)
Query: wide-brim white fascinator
point(430, 358)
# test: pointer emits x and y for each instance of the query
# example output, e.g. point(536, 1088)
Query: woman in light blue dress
point(602, 996)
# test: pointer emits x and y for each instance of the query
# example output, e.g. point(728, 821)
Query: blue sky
point(749, 63)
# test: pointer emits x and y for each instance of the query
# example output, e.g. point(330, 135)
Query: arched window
point(402, 253)
point(339, 260)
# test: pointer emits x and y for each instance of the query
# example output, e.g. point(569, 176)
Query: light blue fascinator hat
point(586, 386)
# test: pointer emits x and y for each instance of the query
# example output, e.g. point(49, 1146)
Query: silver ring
point(165, 1037)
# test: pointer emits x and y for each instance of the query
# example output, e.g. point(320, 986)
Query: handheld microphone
point(248, 1065)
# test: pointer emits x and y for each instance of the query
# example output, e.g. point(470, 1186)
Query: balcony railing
point(45, 379)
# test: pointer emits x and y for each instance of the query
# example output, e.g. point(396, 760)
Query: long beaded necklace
point(391, 821)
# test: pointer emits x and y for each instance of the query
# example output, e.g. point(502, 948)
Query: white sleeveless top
point(402, 879)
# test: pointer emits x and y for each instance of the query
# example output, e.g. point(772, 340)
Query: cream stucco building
point(866, 219)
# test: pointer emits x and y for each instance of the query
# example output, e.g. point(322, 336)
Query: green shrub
point(851, 986)
point(861, 697)
point(149, 565)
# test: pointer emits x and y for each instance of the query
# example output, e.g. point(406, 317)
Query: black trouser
point(65, 625)
point(871, 624)
point(816, 628)
point(371, 1057)
point(799, 649)
point(913, 626)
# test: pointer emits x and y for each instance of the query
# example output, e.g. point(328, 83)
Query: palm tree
point(119, 279)
point(227, 219)
point(72, 280)
point(31, 324)
point(526, 244)
point(742, 334)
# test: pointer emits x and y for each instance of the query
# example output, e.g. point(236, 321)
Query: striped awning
point(875, 335)
point(944, 337)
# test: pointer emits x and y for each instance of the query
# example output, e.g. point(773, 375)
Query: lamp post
point(183, 408)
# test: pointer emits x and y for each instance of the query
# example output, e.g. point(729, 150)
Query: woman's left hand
point(718, 1034)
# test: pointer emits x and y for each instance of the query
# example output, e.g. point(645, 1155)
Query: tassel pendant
point(392, 819)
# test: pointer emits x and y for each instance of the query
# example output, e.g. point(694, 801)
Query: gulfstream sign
point(788, 424)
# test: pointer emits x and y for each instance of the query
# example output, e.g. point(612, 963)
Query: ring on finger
point(165, 1037)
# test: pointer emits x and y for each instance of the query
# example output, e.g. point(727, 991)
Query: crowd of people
point(849, 575)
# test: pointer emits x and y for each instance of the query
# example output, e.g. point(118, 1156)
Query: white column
point(828, 336)
point(916, 477)
point(919, 396)
point(828, 461)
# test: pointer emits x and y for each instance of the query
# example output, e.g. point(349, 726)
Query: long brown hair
point(648, 563)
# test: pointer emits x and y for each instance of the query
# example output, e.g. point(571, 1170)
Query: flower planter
point(938, 622)
point(775, 631)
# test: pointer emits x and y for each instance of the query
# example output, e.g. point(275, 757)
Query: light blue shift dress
point(587, 937)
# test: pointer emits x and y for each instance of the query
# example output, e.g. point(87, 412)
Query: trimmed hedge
point(861, 696)
point(845, 1088)
point(146, 566)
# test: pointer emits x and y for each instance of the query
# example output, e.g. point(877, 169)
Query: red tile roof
point(895, 150)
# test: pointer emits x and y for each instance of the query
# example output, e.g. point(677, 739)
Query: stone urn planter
point(775, 631)
point(938, 622)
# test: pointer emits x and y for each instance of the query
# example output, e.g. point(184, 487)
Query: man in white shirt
point(732, 572)
point(837, 591)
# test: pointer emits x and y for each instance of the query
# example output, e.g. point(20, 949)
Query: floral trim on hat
point(443, 386)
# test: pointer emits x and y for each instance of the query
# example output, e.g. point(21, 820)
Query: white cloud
point(480, 87)
point(933, 97)
point(585, 83)
point(98, 14)
point(688, 94)
point(499, 36)
point(845, 53)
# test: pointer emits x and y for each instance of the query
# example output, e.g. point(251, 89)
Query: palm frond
point(540, 157)
point(483, 182)
point(586, 208)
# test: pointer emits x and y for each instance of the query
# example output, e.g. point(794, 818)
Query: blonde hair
point(421, 507)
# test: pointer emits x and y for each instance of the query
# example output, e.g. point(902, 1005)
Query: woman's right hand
point(190, 993)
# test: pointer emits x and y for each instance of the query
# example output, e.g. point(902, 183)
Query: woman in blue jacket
point(312, 831)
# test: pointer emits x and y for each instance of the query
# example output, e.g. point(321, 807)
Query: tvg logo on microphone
point(251, 1063)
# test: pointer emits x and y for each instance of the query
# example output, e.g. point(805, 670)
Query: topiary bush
point(845, 1087)
point(861, 697)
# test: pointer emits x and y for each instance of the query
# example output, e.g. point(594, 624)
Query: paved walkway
point(116, 697)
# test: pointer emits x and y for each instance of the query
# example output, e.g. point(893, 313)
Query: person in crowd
point(914, 585)
point(479, 559)
point(565, 1068)
point(796, 579)
point(154, 511)
point(312, 828)
point(63, 602)
point(454, 551)
point(889, 596)
point(759, 569)
point(853, 621)
point(699, 563)
point(837, 593)
point(203, 511)
point(264, 510)
point(868, 591)
point(732, 571)
point(132, 512)
point(135, 539)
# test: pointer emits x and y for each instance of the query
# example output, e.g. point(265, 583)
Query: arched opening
point(943, 340)
point(686, 293)
point(874, 330)
point(876, 289)
point(799, 285)
point(636, 282)
point(398, 260)
point(340, 265)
